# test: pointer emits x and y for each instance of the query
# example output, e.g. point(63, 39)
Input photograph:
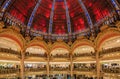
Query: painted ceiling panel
point(42, 16)
point(77, 16)
point(98, 9)
point(22, 9)
point(59, 21)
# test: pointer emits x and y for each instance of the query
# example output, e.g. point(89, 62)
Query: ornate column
point(48, 69)
point(22, 72)
point(48, 58)
point(98, 64)
point(71, 67)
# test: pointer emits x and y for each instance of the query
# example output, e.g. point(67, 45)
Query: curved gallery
point(54, 39)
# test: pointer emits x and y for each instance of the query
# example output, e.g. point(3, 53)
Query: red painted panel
point(78, 18)
point(42, 16)
point(22, 9)
point(60, 24)
point(98, 9)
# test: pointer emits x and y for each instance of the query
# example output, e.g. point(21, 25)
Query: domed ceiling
point(60, 17)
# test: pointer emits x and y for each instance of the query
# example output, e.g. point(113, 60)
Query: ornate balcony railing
point(59, 69)
point(60, 56)
point(109, 51)
point(9, 51)
point(89, 69)
point(84, 55)
point(35, 69)
point(8, 71)
point(27, 54)
point(111, 70)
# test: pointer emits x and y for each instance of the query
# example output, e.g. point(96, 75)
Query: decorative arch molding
point(13, 35)
point(82, 42)
point(60, 44)
point(105, 35)
point(38, 41)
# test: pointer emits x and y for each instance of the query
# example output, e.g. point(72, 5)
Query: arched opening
point(83, 51)
point(36, 51)
point(60, 53)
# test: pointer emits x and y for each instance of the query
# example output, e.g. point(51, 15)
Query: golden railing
point(109, 51)
point(35, 69)
point(84, 55)
point(85, 69)
point(111, 70)
point(27, 54)
point(8, 71)
point(60, 56)
point(9, 51)
point(59, 69)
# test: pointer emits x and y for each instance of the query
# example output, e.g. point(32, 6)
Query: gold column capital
point(71, 63)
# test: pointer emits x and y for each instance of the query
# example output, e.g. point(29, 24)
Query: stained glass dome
point(64, 19)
